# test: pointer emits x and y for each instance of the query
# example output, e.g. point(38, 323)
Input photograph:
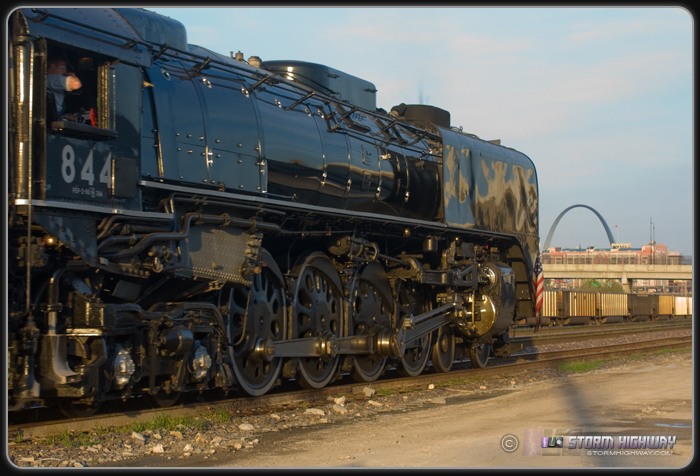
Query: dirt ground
point(503, 428)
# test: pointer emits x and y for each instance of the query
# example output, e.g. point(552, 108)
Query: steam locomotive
point(204, 222)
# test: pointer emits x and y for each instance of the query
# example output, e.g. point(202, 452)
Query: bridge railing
point(619, 271)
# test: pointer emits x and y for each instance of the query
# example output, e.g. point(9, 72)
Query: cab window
point(78, 96)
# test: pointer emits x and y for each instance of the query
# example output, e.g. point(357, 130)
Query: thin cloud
point(590, 32)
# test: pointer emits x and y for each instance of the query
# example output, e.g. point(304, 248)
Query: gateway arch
point(611, 238)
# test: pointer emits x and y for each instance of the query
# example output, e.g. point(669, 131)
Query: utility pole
point(653, 247)
point(651, 239)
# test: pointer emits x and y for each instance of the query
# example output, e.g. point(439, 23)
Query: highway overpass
point(623, 272)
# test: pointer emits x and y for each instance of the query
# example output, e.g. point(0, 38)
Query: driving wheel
point(254, 314)
point(317, 311)
point(479, 355)
point(444, 349)
point(370, 313)
point(417, 353)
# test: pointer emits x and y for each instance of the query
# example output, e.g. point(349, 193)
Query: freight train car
point(571, 307)
point(682, 306)
point(656, 306)
point(612, 307)
point(564, 307)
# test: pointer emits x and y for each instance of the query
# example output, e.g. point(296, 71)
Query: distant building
point(621, 253)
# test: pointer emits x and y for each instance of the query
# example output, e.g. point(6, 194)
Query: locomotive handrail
point(199, 67)
point(305, 92)
point(258, 83)
point(163, 48)
point(300, 100)
point(348, 112)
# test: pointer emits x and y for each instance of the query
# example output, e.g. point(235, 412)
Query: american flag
point(538, 286)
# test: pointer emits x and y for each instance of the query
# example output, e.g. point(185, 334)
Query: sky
point(599, 98)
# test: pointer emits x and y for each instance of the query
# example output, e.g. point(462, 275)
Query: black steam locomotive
point(195, 221)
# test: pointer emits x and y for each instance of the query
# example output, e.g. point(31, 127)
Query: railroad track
point(592, 328)
point(567, 334)
point(543, 351)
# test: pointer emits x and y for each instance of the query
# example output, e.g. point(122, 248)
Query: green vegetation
point(667, 350)
point(581, 366)
point(607, 286)
point(71, 440)
point(455, 382)
point(160, 423)
point(588, 365)
point(591, 285)
point(169, 423)
point(222, 416)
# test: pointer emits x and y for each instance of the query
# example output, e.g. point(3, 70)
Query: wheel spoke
point(443, 350)
point(479, 355)
point(255, 314)
point(417, 352)
point(370, 313)
point(317, 313)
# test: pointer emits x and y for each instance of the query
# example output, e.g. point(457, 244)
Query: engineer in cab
point(59, 81)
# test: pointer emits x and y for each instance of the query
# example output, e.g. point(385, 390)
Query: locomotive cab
point(94, 136)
